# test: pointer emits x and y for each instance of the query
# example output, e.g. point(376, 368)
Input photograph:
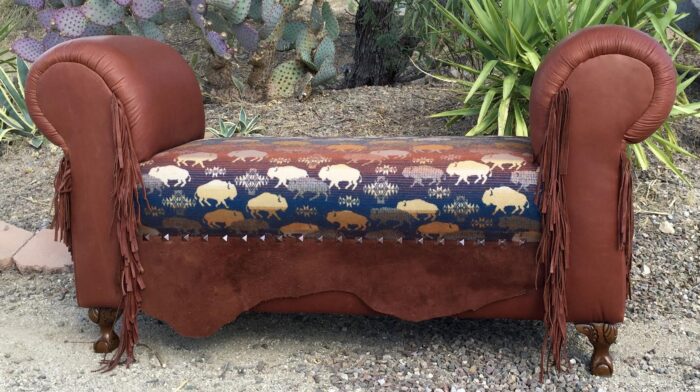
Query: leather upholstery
point(69, 92)
point(621, 85)
point(455, 188)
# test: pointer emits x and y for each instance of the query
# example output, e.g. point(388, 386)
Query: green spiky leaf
point(222, 4)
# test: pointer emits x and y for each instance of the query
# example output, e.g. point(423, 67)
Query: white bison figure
point(170, 173)
point(503, 197)
point(340, 173)
point(285, 173)
point(466, 169)
point(216, 190)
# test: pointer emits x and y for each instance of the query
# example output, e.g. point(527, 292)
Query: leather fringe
point(127, 179)
point(625, 217)
point(553, 249)
point(63, 186)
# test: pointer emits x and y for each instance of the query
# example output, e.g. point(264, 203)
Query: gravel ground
point(45, 338)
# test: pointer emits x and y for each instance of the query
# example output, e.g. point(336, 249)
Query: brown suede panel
point(204, 285)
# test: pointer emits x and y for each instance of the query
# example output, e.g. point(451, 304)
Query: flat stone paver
point(12, 239)
point(43, 254)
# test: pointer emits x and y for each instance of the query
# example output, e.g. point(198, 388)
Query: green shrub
point(14, 116)
point(509, 39)
point(246, 126)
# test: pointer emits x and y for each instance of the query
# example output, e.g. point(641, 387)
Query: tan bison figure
point(267, 202)
point(503, 197)
point(418, 207)
point(438, 229)
point(299, 229)
point(500, 160)
point(346, 219)
point(216, 190)
point(222, 218)
point(196, 158)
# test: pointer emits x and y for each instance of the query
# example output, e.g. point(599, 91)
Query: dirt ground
point(45, 339)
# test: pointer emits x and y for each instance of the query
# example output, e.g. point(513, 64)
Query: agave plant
point(263, 27)
point(14, 116)
point(63, 20)
point(510, 37)
point(246, 126)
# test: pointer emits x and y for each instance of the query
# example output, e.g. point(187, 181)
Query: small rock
point(646, 270)
point(666, 227)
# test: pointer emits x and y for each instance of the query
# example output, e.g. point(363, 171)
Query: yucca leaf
point(485, 72)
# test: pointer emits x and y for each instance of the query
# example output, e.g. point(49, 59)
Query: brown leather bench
point(194, 232)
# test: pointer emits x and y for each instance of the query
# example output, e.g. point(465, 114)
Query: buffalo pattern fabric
point(445, 188)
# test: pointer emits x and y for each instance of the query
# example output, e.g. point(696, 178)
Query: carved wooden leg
point(601, 336)
point(105, 318)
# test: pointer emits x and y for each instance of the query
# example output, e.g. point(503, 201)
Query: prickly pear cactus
point(265, 27)
point(67, 19)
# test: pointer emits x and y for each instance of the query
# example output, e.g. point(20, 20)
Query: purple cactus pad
point(45, 18)
point(28, 49)
point(218, 44)
point(70, 21)
point(247, 36)
point(52, 39)
point(146, 9)
point(93, 29)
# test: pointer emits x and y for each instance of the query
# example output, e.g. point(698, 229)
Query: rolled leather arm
point(595, 43)
point(79, 93)
point(156, 87)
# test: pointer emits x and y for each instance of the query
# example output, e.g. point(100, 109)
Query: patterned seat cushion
point(452, 188)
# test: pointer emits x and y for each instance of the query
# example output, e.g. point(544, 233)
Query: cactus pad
point(271, 14)
point(28, 49)
point(255, 11)
point(175, 11)
point(36, 4)
point(218, 44)
point(332, 26)
point(284, 79)
point(306, 42)
point(103, 12)
point(196, 14)
point(239, 12)
point(151, 30)
point(94, 29)
point(325, 51)
point(247, 36)
point(70, 21)
point(222, 4)
point(290, 5)
point(46, 18)
point(326, 73)
point(123, 3)
point(316, 17)
point(146, 9)
point(52, 39)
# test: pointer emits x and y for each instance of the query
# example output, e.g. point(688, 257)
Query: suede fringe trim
point(127, 179)
point(553, 249)
point(625, 213)
point(63, 185)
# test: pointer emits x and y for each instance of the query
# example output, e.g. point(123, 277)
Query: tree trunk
point(380, 52)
